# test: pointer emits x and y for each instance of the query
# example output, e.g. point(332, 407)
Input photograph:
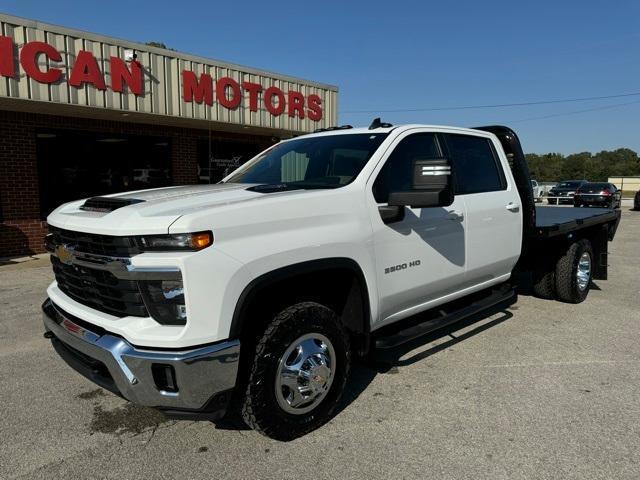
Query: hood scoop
point(107, 204)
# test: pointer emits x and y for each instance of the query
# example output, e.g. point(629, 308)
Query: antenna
point(378, 124)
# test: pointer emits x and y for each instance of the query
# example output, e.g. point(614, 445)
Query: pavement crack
point(153, 433)
point(561, 364)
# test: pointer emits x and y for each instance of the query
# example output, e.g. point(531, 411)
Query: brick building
point(83, 115)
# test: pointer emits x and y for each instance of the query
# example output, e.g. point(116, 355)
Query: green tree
point(574, 166)
point(553, 167)
point(545, 168)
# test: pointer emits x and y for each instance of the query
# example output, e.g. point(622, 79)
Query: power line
point(605, 107)
point(499, 105)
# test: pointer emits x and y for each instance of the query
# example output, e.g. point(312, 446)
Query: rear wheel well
point(543, 255)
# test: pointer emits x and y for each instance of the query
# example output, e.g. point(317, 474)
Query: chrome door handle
point(455, 215)
point(513, 207)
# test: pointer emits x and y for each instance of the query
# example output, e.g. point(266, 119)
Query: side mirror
point(432, 185)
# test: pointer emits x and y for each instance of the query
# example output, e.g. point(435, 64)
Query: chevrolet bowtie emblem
point(65, 254)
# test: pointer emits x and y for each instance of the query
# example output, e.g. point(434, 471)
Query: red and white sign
point(85, 70)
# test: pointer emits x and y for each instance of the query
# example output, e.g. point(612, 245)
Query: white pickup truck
point(254, 295)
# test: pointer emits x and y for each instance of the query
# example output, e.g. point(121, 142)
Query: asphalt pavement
point(540, 390)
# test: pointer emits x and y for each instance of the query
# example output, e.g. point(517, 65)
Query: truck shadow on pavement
point(391, 361)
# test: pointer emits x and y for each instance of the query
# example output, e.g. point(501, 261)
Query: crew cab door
point(494, 211)
point(420, 256)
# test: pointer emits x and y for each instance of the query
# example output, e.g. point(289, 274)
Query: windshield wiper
point(270, 187)
point(281, 187)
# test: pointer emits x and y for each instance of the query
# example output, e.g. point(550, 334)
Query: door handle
point(513, 207)
point(455, 215)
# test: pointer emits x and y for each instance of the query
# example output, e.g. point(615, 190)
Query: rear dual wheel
point(574, 271)
point(569, 279)
point(544, 281)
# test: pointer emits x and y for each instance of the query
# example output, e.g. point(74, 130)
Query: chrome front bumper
point(112, 362)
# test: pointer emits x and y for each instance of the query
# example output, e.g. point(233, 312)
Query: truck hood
point(152, 211)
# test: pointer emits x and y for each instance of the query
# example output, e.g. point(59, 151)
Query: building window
point(74, 165)
point(218, 158)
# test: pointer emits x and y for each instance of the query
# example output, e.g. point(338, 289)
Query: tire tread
point(255, 412)
point(566, 285)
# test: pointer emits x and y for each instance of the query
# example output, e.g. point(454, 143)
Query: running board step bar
point(446, 318)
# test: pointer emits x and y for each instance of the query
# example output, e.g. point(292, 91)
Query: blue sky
point(413, 55)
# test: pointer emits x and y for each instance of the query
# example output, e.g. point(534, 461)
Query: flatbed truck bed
point(553, 221)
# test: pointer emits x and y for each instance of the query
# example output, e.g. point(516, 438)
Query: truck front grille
point(97, 244)
point(100, 290)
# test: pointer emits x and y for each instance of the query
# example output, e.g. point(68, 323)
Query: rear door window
point(475, 164)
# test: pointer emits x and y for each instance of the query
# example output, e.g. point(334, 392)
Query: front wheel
point(298, 374)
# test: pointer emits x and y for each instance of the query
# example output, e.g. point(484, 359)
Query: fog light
point(164, 300)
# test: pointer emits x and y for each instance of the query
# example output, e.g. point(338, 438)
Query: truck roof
point(408, 126)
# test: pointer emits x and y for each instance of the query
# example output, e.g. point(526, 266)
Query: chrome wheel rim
point(583, 273)
point(305, 373)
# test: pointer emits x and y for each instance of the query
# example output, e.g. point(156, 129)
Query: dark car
point(564, 191)
point(636, 201)
point(598, 195)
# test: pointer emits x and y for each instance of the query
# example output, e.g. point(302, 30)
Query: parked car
point(253, 295)
point(537, 190)
point(636, 201)
point(564, 191)
point(598, 195)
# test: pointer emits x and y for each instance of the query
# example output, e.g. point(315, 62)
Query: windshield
point(328, 161)
point(569, 184)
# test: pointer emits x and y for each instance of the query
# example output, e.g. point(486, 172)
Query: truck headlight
point(164, 300)
point(178, 241)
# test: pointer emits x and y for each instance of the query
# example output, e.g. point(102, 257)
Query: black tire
point(544, 282)
point(567, 288)
point(261, 410)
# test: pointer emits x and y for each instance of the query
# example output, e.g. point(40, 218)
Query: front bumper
point(201, 375)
